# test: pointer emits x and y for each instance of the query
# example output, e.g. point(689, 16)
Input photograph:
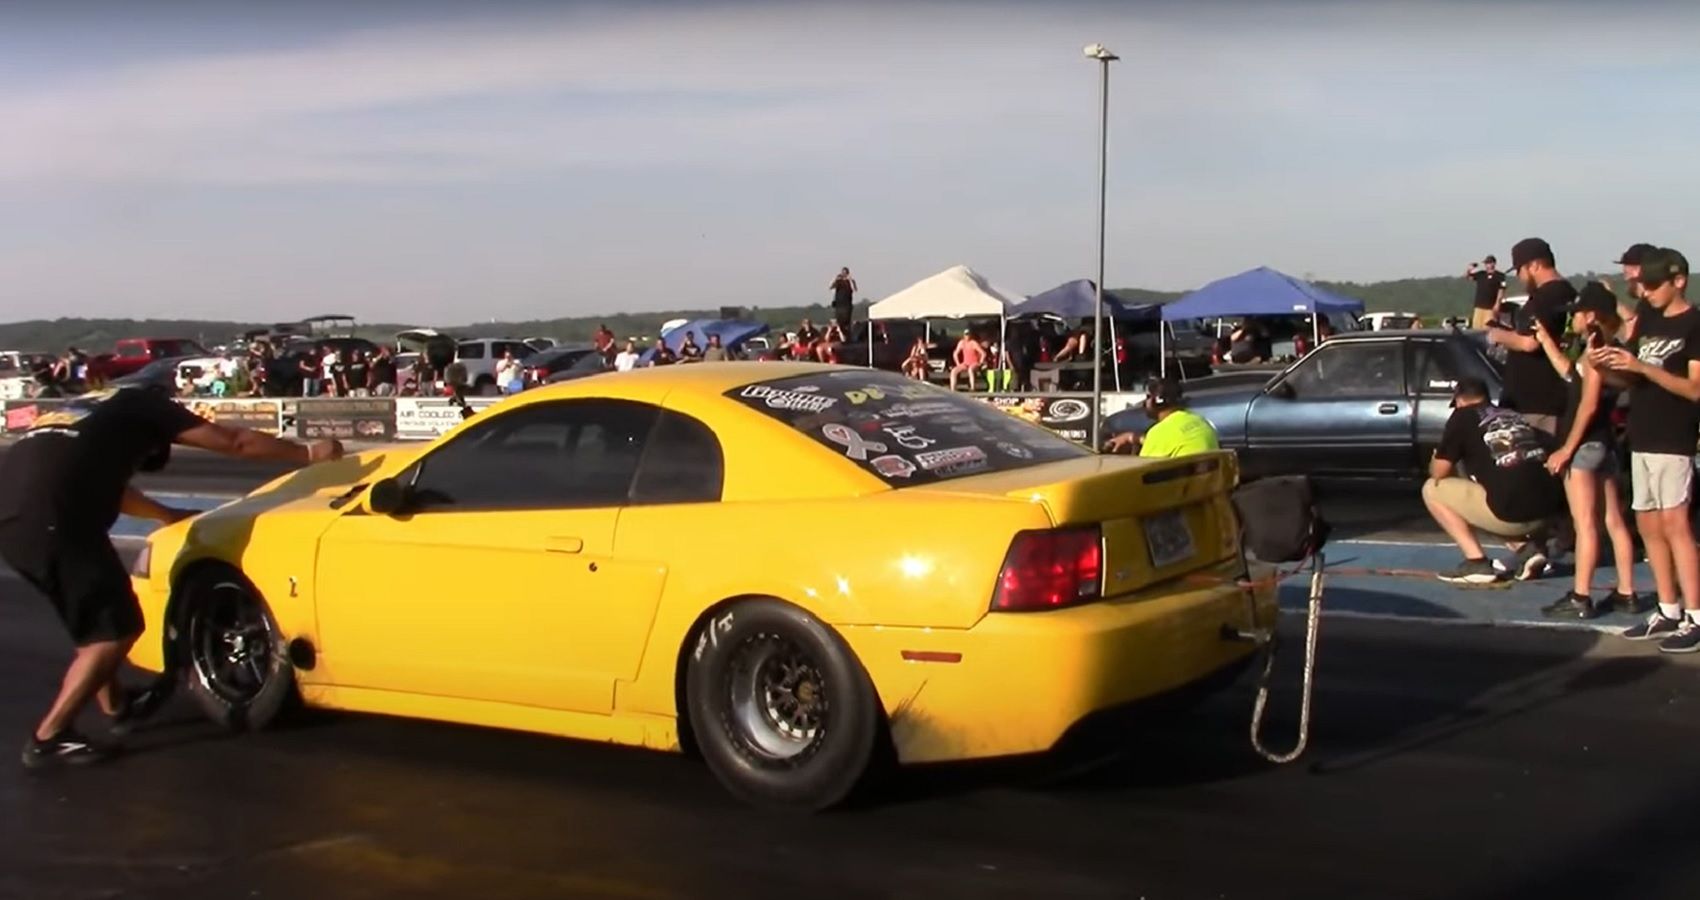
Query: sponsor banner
point(16, 388)
point(21, 414)
point(346, 419)
point(1069, 415)
point(429, 418)
point(259, 414)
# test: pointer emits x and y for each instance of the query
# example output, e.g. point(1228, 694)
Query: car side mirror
point(388, 497)
point(1284, 391)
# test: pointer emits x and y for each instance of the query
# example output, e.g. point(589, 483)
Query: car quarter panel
point(881, 561)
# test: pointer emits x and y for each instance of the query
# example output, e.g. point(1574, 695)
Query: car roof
point(699, 378)
point(1396, 333)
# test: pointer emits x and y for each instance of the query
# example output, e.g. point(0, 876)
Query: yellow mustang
point(800, 572)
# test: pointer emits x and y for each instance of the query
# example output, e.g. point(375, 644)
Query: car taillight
point(1050, 569)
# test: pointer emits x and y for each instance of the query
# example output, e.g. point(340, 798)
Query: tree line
point(1433, 298)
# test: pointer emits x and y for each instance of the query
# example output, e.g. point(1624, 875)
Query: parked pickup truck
point(1363, 405)
point(131, 354)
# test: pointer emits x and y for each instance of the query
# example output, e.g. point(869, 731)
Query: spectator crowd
point(1549, 463)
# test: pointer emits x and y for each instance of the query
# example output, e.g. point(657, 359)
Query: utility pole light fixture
point(1104, 57)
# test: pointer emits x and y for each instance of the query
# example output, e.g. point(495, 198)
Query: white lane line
point(1463, 621)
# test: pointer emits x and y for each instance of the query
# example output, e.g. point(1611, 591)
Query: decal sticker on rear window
point(903, 431)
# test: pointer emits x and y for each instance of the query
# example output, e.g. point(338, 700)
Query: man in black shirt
point(1490, 290)
point(1664, 427)
point(1508, 492)
point(62, 486)
point(1532, 387)
point(383, 376)
point(843, 297)
point(358, 374)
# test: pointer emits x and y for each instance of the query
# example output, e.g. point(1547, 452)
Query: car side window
point(473, 350)
point(572, 454)
point(1434, 370)
point(682, 463)
point(1347, 369)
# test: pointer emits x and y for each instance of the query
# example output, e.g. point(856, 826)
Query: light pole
point(1104, 57)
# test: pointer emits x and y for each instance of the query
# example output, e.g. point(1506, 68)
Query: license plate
point(1168, 538)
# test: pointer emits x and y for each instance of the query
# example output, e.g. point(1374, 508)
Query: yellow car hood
point(297, 506)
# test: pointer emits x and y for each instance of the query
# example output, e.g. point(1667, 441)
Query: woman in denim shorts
point(1591, 461)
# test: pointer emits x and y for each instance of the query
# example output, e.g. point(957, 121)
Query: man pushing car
point(62, 487)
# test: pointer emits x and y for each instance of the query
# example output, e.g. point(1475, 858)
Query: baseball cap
point(1528, 250)
point(1635, 253)
point(1660, 265)
point(1489, 259)
point(1469, 388)
point(1595, 298)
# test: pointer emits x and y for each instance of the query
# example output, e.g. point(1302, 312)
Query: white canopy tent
point(956, 293)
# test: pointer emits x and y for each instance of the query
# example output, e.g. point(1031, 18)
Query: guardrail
point(379, 419)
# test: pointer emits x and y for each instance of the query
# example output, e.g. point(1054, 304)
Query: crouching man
point(1505, 490)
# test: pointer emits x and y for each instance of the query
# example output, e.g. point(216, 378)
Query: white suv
point(480, 356)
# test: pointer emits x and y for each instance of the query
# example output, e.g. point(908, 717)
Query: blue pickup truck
point(1366, 404)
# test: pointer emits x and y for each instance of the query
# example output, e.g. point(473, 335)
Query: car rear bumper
point(1023, 680)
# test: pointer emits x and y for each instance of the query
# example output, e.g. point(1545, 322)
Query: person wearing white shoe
point(1663, 377)
point(1504, 490)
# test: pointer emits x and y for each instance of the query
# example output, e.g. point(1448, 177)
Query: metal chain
point(1312, 619)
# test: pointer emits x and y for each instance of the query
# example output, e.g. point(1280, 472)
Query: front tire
point(236, 664)
point(783, 713)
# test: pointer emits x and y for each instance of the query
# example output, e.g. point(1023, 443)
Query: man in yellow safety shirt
point(1175, 430)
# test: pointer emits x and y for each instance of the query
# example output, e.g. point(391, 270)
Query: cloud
point(733, 85)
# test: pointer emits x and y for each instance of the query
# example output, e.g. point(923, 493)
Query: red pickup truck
point(130, 354)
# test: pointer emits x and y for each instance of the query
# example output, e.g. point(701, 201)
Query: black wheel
point(782, 711)
point(235, 663)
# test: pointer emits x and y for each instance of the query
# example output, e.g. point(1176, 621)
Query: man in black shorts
point(62, 486)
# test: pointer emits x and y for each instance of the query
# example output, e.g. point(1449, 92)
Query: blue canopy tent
point(1078, 299)
point(733, 332)
point(1260, 292)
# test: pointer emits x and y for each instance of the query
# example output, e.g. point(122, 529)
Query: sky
point(447, 163)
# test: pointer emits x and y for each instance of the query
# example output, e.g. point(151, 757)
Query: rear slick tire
point(783, 713)
point(235, 662)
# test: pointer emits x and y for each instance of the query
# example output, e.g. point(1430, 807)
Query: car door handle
point(563, 544)
point(1387, 409)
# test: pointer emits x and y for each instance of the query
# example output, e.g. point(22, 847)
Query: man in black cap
point(1664, 426)
point(62, 486)
point(1505, 490)
point(1532, 387)
point(1490, 290)
point(1631, 263)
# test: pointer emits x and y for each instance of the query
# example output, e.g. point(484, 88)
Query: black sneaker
point(1531, 562)
point(135, 707)
point(1629, 604)
point(1656, 627)
point(1473, 571)
point(68, 748)
point(1685, 640)
point(1571, 606)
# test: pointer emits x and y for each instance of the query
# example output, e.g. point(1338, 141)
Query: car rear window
point(904, 431)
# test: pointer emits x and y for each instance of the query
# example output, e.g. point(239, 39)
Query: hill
point(1430, 297)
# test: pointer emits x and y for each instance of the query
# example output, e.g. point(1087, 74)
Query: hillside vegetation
point(1430, 297)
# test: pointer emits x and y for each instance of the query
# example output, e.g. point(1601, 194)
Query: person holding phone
point(1590, 461)
point(1490, 291)
point(1663, 376)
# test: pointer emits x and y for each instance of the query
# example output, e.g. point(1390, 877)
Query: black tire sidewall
point(834, 771)
point(280, 679)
